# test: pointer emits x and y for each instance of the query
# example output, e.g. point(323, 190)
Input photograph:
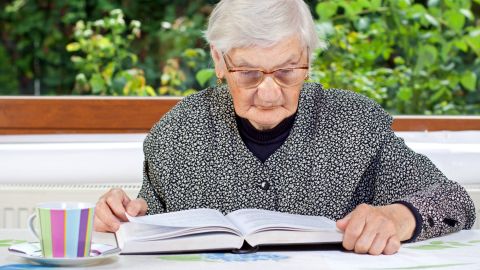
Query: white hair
point(246, 23)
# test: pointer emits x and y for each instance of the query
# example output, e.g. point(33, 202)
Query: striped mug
point(65, 228)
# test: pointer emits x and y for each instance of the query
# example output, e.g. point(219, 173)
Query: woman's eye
point(284, 72)
point(249, 73)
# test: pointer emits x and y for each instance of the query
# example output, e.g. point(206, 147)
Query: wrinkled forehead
point(286, 52)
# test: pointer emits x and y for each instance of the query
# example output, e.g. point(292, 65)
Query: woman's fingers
point(101, 226)
point(115, 199)
point(384, 235)
point(98, 225)
point(378, 245)
point(377, 231)
point(355, 226)
point(393, 245)
point(110, 210)
point(137, 207)
point(105, 214)
point(369, 230)
point(365, 240)
point(342, 223)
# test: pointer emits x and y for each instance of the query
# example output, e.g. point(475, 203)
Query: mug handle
point(31, 227)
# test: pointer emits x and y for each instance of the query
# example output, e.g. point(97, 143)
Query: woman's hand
point(377, 230)
point(111, 208)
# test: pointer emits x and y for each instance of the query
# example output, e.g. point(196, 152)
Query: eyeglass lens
point(283, 77)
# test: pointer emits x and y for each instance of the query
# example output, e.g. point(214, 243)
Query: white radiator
point(17, 201)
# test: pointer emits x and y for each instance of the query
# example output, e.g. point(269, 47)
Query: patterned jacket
point(341, 152)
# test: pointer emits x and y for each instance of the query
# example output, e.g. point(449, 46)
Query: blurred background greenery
point(412, 57)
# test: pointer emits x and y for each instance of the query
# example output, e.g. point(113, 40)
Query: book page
point(255, 220)
point(193, 218)
point(176, 224)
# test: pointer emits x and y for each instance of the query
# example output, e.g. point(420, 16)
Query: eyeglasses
point(251, 78)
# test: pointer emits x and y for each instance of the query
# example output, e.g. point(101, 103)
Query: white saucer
point(36, 256)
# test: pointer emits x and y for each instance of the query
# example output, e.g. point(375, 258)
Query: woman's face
point(264, 105)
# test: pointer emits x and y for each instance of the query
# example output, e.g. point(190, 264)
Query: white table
point(456, 251)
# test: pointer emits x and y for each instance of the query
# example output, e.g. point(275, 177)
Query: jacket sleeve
point(154, 152)
point(149, 194)
point(165, 147)
point(440, 205)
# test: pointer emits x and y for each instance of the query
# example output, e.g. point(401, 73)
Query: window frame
point(78, 115)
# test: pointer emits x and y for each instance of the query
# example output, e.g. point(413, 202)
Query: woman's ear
point(218, 61)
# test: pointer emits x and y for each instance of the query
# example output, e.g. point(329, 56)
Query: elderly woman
point(268, 140)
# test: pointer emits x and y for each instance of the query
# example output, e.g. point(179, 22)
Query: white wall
point(118, 158)
point(456, 154)
point(71, 159)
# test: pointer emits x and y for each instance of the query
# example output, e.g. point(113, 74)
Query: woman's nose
point(269, 91)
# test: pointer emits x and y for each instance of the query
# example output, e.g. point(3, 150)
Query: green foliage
point(174, 43)
point(8, 76)
point(103, 58)
point(413, 57)
point(34, 36)
point(409, 57)
point(188, 69)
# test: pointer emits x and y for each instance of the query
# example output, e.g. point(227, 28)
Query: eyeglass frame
point(264, 73)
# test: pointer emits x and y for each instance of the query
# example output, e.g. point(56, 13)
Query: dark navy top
point(263, 143)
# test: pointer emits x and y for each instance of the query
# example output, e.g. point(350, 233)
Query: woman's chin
point(263, 124)
point(266, 119)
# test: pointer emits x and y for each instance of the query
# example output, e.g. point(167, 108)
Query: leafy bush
point(35, 34)
point(411, 58)
point(8, 74)
point(103, 58)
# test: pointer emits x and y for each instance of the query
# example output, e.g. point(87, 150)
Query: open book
point(208, 229)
